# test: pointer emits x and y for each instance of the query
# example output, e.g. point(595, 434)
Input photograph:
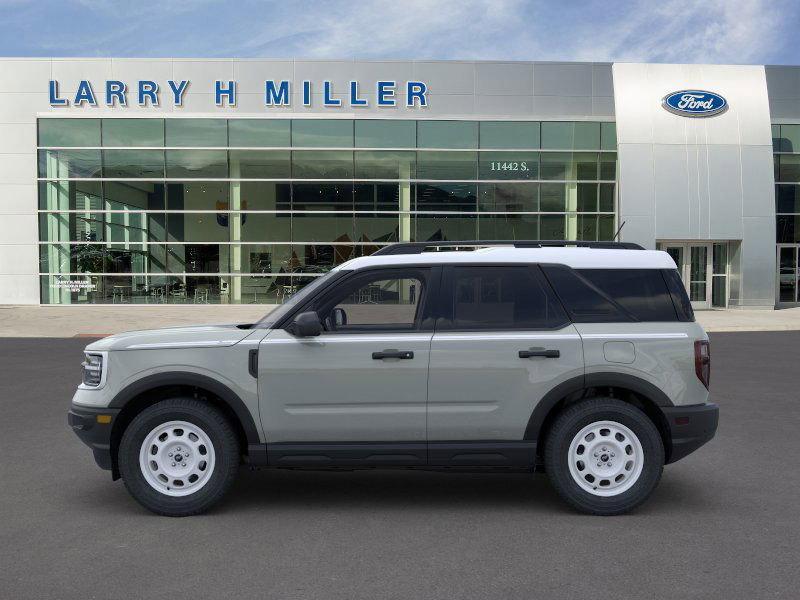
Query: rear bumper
point(690, 427)
point(96, 435)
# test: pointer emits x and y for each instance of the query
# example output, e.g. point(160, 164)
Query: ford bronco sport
point(582, 360)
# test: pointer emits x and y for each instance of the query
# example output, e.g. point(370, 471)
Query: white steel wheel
point(177, 458)
point(605, 458)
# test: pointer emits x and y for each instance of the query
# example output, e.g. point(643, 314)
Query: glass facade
point(786, 153)
point(250, 210)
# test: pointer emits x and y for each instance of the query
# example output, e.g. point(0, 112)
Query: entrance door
point(694, 265)
point(788, 275)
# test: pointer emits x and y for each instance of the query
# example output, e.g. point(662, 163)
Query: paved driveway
point(724, 523)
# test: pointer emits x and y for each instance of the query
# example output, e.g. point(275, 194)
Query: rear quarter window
point(641, 292)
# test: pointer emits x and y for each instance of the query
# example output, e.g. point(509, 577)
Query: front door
point(694, 266)
point(502, 342)
point(358, 391)
point(788, 279)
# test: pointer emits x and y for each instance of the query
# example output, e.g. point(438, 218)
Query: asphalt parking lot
point(723, 523)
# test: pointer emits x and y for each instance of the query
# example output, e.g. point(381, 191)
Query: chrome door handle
point(533, 352)
point(401, 354)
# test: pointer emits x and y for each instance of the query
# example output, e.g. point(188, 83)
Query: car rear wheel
point(604, 456)
point(178, 457)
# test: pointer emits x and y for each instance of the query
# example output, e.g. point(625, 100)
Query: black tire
point(570, 422)
point(226, 450)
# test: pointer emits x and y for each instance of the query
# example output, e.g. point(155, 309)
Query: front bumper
point(93, 431)
point(690, 427)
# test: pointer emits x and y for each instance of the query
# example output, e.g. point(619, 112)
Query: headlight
point(92, 369)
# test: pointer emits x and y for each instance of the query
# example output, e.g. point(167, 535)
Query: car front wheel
point(178, 457)
point(604, 456)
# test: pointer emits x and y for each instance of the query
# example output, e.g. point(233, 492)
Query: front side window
point(385, 301)
point(500, 298)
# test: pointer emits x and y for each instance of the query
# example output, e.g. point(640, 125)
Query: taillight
point(702, 361)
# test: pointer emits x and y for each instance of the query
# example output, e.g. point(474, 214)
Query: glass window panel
point(133, 195)
point(446, 197)
point(316, 164)
point(605, 228)
point(446, 227)
point(200, 195)
point(508, 227)
point(321, 258)
point(447, 165)
point(322, 133)
point(585, 166)
point(71, 258)
point(385, 133)
point(264, 289)
point(260, 164)
point(787, 198)
point(508, 165)
point(133, 163)
point(558, 135)
point(262, 195)
point(385, 165)
point(198, 258)
point(553, 197)
point(608, 166)
point(508, 197)
point(77, 227)
point(509, 134)
point(380, 302)
point(381, 196)
point(608, 136)
point(258, 133)
point(206, 290)
point(196, 132)
point(447, 134)
point(262, 258)
point(790, 138)
point(127, 258)
point(316, 196)
point(61, 164)
point(552, 227)
point(264, 227)
point(133, 132)
point(197, 163)
point(70, 195)
point(788, 229)
point(198, 227)
point(556, 165)
point(133, 227)
point(586, 228)
point(720, 259)
point(69, 132)
point(789, 170)
point(587, 197)
point(377, 227)
point(323, 227)
point(587, 136)
point(776, 138)
point(606, 197)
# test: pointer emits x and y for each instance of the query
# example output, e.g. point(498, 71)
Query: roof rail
point(420, 247)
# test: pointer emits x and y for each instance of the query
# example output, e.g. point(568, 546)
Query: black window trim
point(444, 316)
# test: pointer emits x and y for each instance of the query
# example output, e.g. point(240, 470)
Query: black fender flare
point(591, 380)
point(228, 396)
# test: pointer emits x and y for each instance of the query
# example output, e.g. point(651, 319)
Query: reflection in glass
point(508, 165)
point(320, 164)
point(69, 132)
point(133, 195)
point(260, 164)
point(445, 227)
point(461, 197)
point(62, 164)
point(198, 195)
point(262, 195)
point(385, 133)
point(385, 165)
point(553, 197)
point(133, 132)
point(212, 164)
point(509, 134)
point(447, 134)
point(70, 195)
point(196, 132)
point(134, 164)
point(508, 197)
point(258, 133)
point(322, 133)
point(508, 227)
point(316, 196)
point(447, 165)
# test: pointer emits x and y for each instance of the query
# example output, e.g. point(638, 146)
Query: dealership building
point(147, 181)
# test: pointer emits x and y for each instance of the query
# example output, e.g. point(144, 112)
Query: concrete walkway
point(98, 321)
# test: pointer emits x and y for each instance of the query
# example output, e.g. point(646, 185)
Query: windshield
point(300, 297)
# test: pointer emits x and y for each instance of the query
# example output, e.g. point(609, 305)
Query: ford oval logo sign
point(695, 103)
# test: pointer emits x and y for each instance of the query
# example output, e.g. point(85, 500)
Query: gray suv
point(582, 360)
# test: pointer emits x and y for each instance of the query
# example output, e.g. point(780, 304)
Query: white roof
point(577, 258)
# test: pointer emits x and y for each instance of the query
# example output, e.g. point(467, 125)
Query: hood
point(199, 336)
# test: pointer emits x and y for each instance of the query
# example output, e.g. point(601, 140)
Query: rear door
point(502, 342)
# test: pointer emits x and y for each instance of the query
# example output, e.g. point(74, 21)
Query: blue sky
point(684, 31)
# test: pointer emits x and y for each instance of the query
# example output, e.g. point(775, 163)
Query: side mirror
point(339, 317)
point(305, 325)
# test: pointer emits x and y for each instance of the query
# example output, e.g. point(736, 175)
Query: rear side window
point(642, 292)
point(499, 298)
point(585, 302)
point(679, 297)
